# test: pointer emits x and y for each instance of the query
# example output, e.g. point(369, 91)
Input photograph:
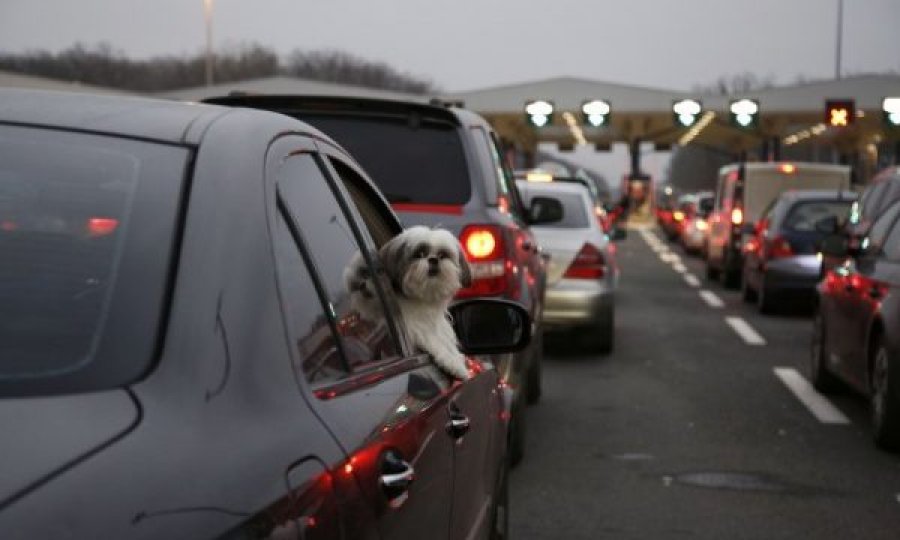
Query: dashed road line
point(820, 407)
point(678, 267)
point(692, 280)
point(711, 299)
point(747, 333)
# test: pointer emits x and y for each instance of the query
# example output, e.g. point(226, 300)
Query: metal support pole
point(207, 15)
point(635, 150)
point(776, 149)
point(840, 31)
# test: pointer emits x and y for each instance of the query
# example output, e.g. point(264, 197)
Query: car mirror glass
point(491, 326)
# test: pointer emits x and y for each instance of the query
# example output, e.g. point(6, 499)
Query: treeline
point(100, 65)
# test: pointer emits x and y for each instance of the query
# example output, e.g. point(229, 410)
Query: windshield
point(422, 163)
point(804, 216)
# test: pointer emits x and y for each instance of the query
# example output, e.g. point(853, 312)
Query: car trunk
point(562, 245)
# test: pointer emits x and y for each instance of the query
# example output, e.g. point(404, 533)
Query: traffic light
point(686, 112)
point(595, 113)
point(840, 112)
point(890, 107)
point(539, 112)
point(744, 113)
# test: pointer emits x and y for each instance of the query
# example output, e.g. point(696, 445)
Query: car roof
point(343, 104)
point(565, 187)
point(818, 194)
point(136, 117)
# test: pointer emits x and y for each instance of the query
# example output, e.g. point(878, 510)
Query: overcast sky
point(466, 44)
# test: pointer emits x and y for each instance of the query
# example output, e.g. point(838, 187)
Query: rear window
point(411, 162)
point(574, 215)
point(71, 207)
point(804, 216)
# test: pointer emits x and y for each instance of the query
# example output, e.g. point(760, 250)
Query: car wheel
point(533, 386)
point(748, 294)
point(599, 339)
point(711, 273)
point(821, 379)
point(516, 437)
point(885, 399)
point(500, 519)
point(766, 300)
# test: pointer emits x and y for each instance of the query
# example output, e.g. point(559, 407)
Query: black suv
point(444, 166)
point(180, 356)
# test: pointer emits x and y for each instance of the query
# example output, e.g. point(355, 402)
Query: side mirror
point(618, 233)
point(490, 326)
point(828, 225)
point(544, 210)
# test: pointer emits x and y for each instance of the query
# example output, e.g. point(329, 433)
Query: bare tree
point(735, 84)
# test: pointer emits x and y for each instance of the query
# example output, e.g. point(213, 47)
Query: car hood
point(44, 436)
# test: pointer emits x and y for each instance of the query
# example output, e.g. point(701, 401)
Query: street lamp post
point(840, 32)
point(207, 15)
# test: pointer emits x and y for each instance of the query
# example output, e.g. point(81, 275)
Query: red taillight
point(485, 251)
point(779, 247)
point(737, 215)
point(588, 264)
point(101, 226)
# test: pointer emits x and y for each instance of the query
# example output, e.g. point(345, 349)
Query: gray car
point(582, 271)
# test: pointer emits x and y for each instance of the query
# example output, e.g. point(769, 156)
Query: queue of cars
point(175, 311)
point(794, 232)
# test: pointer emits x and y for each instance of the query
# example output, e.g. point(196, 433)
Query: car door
point(858, 300)
point(387, 408)
point(474, 423)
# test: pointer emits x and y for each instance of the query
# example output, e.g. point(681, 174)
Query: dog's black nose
point(432, 261)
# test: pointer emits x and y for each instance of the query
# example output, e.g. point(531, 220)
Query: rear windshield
point(574, 215)
point(67, 204)
point(804, 216)
point(411, 162)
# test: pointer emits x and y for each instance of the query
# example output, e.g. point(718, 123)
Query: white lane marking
point(820, 407)
point(669, 257)
point(692, 280)
point(711, 299)
point(678, 267)
point(747, 333)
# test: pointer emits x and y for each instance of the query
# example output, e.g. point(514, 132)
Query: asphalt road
point(687, 431)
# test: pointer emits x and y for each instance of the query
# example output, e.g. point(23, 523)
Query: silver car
point(582, 272)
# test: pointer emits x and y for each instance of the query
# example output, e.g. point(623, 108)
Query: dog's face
point(360, 284)
point(426, 264)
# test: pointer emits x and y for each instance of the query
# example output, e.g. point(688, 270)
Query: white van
point(740, 202)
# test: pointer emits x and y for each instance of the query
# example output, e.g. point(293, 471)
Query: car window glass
point(875, 239)
point(326, 235)
point(411, 161)
point(574, 214)
point(507, 178)
point(804, 216)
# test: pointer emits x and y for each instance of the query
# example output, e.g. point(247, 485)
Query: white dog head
point(426, 264)
point(361, 286)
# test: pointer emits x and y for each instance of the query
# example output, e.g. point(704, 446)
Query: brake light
point(737, 215)
point(779, 247)
point(588, 264)
point(678, 216)
point(788, 168)
point(101, 226)
point(485, 251)
point(701, 225)
point(503, 204)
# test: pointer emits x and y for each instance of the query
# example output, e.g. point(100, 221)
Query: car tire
point(822, 379)
point(500, 514)
point(748, 294)
point(534, 388)
point(885, 384)
point(766, 300)
point(712, 274)
point(600, 339)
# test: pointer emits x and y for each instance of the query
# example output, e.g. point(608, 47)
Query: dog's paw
point(454, 366)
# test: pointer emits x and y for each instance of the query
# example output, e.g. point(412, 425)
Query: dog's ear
point(465, 269)
point(392, 257)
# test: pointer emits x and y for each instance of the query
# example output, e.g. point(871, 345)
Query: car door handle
point(458, 425)
point(396, 477)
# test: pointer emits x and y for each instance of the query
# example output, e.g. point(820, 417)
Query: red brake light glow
point(101, 226)
point(588, 264)
point(788, 168)
point(480, 243)
point(779, 247)
point(491, 273)
point(737, 215)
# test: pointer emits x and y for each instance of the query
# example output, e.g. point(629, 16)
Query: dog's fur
point(426, 267)
point(360, 284)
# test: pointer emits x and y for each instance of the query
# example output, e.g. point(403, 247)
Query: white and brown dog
point(426, 267)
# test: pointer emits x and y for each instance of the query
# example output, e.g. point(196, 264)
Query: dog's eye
point(443, 254)
point(420, 253)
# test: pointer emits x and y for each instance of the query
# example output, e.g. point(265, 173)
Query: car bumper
point(694, 239)
point(570, 303)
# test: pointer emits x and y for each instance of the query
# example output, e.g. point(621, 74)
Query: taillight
point(588, 264)
point(485, 251)
point(737, 215)
point(678, 215)
point(701, 225)
point(779, 247)
point(101, 226)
